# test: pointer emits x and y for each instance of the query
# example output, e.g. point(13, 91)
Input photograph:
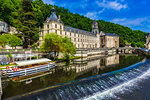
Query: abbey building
point(80, 38)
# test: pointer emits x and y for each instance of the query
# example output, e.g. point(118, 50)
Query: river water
point(115, 77)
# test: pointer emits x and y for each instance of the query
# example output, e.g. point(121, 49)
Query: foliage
point(27, 16)
point(55, 43)
point(67, 57)
point(9, 55)
point(3, 41)
point(68, 46)
point(121, 42)
point(9, 39)
point(52, 43)
point(34, 45)
point(133, 44)
point(14, 41)
point(26, 23)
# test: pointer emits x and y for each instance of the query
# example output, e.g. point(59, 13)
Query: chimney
point(59, 17)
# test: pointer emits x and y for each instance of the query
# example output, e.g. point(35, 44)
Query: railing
point(29, 71)
point(17, 50)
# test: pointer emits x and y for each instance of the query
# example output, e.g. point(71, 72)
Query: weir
point(91, 87)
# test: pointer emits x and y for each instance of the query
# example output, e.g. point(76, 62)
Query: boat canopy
point(30, 62)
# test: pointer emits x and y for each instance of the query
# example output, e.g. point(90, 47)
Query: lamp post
point(29, 48)
point(29, 42)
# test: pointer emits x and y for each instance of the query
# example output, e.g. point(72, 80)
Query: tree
point(55, 43)
point(3, 41)
point(14, 41)
point(133, 44)
point(9, 39)
point(121, 42)
point(68, 46)
point(52, 43)
point(26, 22)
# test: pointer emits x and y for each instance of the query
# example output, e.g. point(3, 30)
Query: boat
point(28, 81)
point(29, 67)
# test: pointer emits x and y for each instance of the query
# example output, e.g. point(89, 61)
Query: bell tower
point(95, 29)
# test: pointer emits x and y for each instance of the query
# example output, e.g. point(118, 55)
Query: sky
point(131, 13)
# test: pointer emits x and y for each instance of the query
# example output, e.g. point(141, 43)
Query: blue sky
point(131, 13)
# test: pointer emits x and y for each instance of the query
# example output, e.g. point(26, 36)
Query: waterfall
point(104, 86)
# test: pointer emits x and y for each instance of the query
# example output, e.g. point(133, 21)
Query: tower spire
point(95, 29)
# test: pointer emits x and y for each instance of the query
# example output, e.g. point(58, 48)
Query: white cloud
point(91, 15)
point(112, 5)
point(94, 15)
point(51, 2)
point(63, 5)
point(130, 22)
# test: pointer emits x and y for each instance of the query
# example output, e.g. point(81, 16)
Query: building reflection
point(80, 66)
point(86, 65)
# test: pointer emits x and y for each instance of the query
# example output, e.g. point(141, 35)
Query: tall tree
point(26, 22)
point(52, 43)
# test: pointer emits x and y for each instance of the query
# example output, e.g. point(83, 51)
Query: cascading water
point(105, 86)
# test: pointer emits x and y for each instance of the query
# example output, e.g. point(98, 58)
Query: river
point(114, 77)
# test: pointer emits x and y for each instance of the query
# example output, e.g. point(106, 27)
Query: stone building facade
point(80, 38)
point(148, 41)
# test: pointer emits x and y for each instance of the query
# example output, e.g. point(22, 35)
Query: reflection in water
point(61, 74)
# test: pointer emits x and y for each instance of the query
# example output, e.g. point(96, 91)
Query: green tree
point(52, 43)
point(133, 44)
point(68, 46)
point(55, 43)
point(121, 42)
point(26, 22)
point(3, 40)
point(14, 41)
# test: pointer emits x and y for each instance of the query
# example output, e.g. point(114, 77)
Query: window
point(74, 35)
point(70, 33)
point(75, 39)
point(48, 31)
point(55, 25)
point(60, 27)
point(60, 32)
point(65, 33)
point(47, 26)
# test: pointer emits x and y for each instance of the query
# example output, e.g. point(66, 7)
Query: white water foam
point(121, 89)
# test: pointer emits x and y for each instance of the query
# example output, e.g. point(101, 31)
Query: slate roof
point(53, 17)
point(109, 34)
point(66, 28)
point(147, 34)
point(94, 22)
